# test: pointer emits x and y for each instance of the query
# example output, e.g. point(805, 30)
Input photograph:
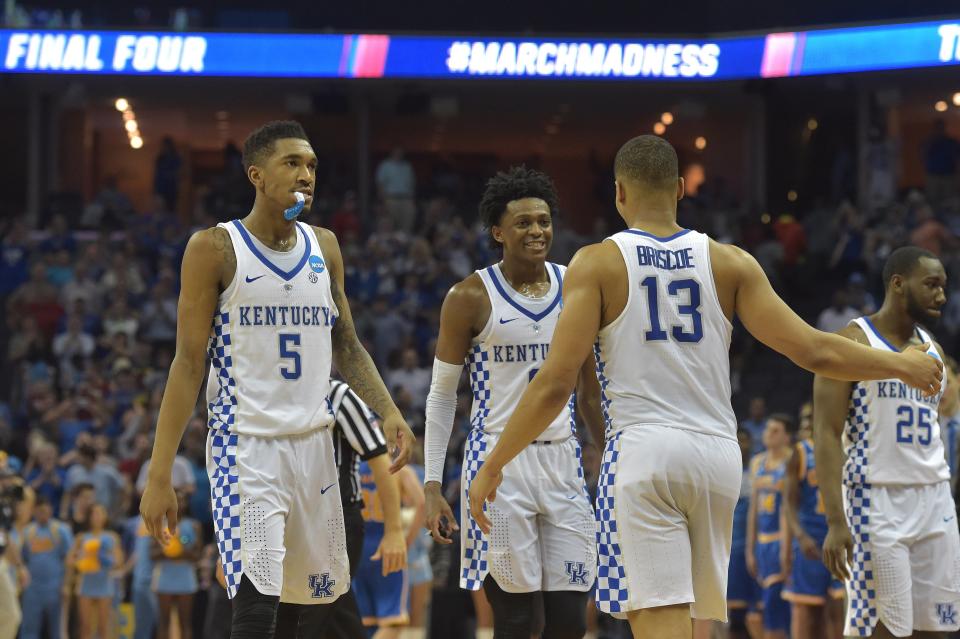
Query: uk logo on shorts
point(576, 572)
point(316, 264)
point(947, 614)
point(322, 585)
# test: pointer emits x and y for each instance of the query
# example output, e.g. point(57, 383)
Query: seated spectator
point(47, 479)
point(411, 377)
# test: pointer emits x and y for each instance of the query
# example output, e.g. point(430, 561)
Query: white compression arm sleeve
point(441, 411)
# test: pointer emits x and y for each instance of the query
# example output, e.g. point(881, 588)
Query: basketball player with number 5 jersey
point(263, 298)
point(655, 303)
point(892, 531)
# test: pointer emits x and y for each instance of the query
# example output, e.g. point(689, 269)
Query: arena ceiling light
point(700, 143)
point(667, 118)
point(940, 106)
point(956, 99)
point(130, 123)
point(659, 128)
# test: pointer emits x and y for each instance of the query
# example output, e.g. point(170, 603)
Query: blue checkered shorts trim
point(612, 590)
point(473, 556)
point(862, 615)
point(225, 495)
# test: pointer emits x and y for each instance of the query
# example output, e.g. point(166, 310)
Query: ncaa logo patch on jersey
point(317, 264)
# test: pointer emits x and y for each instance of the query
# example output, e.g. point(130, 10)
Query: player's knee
point(565, 613)
point(254, 613)
point(512, 612)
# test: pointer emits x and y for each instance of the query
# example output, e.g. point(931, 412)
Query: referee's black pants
point(339, 620)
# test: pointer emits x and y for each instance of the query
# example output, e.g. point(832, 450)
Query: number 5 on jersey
point(287, 342)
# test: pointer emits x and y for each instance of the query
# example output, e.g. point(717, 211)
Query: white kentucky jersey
point(665, 360)
point(892, 433)
point(270, 347)
point(510, 350)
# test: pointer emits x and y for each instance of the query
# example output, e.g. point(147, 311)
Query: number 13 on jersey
point(686, 295)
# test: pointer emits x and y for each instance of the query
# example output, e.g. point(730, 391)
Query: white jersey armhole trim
point(487, 329)
point(715, 297)
point(630, 283)
point(228, 292)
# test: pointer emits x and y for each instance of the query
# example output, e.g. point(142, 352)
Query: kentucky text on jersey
point(665, 259)
point(286, 316)
point(891, 389)
point(520, 353)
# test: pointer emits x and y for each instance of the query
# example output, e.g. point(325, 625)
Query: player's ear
point(255, 175)
point(621, 193)
point(497, 233)
point(680, 189)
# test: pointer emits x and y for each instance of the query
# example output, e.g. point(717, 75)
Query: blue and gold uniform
point(44, 549)
point(768, 482)
point(810, 582)
point(383, 601)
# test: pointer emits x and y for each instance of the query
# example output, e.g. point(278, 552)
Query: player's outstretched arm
point(831, 406)
point(550, 389)
point(393, 547)
point(354, 362)
point(465, 310)
point(209, 254)
point(772, 322)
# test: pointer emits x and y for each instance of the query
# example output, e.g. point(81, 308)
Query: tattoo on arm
point(354, 362)
point(224, 246)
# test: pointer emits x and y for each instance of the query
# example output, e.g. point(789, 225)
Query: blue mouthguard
point(294, 211)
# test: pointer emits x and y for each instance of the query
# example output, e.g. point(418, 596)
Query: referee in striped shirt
point(356, 438)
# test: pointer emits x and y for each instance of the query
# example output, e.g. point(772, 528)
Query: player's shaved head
point(903, 260)
point(649, 161)
point(260, 144)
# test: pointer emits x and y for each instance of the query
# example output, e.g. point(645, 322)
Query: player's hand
point(400, 440)
point(392, 552)
point(921, 370)
point(838, 551)
point(752, 564)
point(439, 516)
point(482, 489)
point(809, 548)
point(159, 502)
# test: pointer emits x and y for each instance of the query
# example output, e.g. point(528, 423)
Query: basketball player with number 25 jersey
point(654, 304)
point(892, 534)
point(263, 298)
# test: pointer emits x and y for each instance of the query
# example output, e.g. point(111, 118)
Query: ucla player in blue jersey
point(892, 532)
point(743, 591)
point(816, 597)
point(654, 303)
point(263, 297)
point(382, 593)
point(45, 545)
point(500, 320)
point(766, 551)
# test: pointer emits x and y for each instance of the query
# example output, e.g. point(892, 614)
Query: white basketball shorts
point(906, 559)
point(665, 506)
point(277, 514)
point(543, 536)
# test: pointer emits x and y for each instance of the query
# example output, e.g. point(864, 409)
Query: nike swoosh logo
point(254, 279)
point(328, 488)
point(503, 321)
point(948, 519)
point(573, 496)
